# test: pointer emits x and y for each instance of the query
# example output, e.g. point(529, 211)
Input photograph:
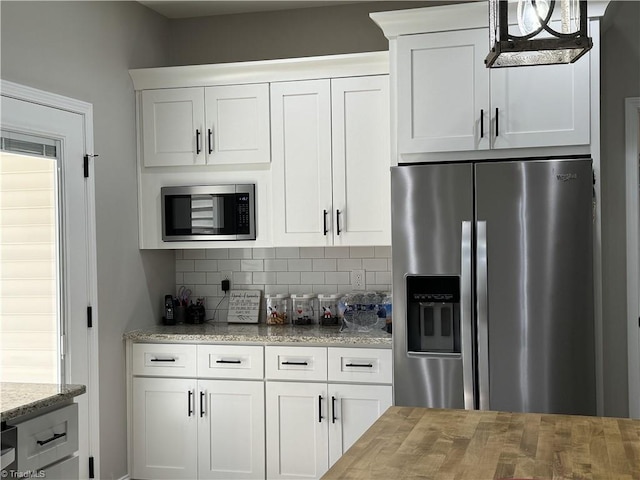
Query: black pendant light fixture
point(537, 32)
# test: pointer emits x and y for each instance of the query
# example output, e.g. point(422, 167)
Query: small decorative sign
point(244, 306)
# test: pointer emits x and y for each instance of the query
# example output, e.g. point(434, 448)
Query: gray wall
point(620, 78)
point(84, 50)
point(301, 32)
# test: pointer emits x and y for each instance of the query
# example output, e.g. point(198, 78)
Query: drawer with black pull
point(231, 361)
point(166, 360)
point(47, 438)
point(361, 365)
point(296, 363)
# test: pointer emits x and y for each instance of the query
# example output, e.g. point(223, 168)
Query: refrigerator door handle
point(482, 309)
point(466, 316)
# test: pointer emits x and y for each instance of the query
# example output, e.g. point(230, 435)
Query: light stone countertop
point(17, 399)
point(260, 334)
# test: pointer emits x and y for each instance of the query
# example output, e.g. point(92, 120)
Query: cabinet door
point(353, 410)
point(361, 160)
point(301, 169)
point(237, 124)
point(172, 127)
point(297, 420)
point(164, 428)
point(541, 106)
point(231, 429)
point(443, 90)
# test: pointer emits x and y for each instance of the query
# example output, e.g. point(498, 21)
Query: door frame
point(40, 97)
point(632, 134)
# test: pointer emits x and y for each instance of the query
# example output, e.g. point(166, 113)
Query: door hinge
point(86, 164)
point(91, 473)
point(89, 317)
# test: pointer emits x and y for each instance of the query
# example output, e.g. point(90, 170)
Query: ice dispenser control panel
point(433, 314)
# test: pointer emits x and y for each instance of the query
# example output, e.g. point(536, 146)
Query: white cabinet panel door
point(296, 418)
point(172, 127)
point(238, 124)
point(164, 428)
point(231, 429)
point(301, 163)
point(542, 106)
point(361, 161)
point(443, 92)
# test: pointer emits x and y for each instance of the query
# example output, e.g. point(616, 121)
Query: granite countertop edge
point(259, 334)
point(20, 399)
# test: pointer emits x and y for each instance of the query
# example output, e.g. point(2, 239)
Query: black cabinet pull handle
point(320, 417)
point(325, 222)
point(49, 440)
point(229, 361)
point(163, 360)
point(201, 404)
point(367, 365)
point(496, 121)
point(338, 221)
point(198, 142)
point(333, 409)
point(210, 140)
point(295, 363)
point(481, 123)
point(189, 403)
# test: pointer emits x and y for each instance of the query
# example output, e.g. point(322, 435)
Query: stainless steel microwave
point(212, 212)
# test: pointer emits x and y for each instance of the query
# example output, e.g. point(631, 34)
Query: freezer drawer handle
point(367, 365)
point(229, 361)
point(163, 360)
point(295, 363)
point(49, 440)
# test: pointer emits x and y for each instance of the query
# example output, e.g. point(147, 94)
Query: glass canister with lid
point(277, 309)
point(328, 309)
point(303, 309)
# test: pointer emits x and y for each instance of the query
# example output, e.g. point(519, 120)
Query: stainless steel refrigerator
point(492, 285)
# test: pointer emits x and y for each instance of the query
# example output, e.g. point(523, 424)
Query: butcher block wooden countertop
point(424, 443)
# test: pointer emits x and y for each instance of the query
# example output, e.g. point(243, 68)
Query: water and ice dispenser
point(433, 314)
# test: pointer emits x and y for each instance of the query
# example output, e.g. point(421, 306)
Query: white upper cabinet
point(237, 119)
point(172, 127)
point(215, 125)
point(443, 92)
point(449, 101)
point(331, 159)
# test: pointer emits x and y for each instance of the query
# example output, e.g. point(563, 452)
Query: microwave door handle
point(466, 316)
point(482, 308)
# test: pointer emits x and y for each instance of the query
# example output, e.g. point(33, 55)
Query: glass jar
point(303, 312)
point(328, 309)
point(277, 309)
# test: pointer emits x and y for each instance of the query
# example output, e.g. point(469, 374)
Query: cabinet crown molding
point(281, 70)
point(459, 16)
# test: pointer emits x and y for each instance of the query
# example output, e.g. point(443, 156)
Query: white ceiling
point(203, 8)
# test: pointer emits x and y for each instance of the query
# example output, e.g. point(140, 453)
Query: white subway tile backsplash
point(240, 253)
point(348, 264)
point(287, 252)
point(279, 270)
point(362, 252)
point(312, 252)
point(309, 278)
point(252, 265)
point(299, 265)
point(376, 264)
point(196, 254)
point(272, 265)
point(218, 253)
point(324, 264)
point(185, 266)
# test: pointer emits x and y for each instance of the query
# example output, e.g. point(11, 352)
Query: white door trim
point(632, 123)
point(40, 97)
